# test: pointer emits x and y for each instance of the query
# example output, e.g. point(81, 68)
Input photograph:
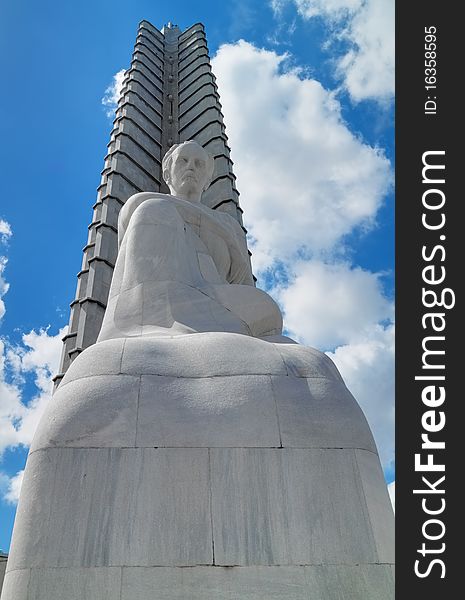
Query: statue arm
point(240, 271)
point(128, 209)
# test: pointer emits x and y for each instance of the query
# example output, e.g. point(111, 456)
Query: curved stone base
point(210, 465)
point(334, 582)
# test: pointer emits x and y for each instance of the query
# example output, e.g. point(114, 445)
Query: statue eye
point(199, 163)
point(183, 159)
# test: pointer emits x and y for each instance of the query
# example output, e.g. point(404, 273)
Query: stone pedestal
point(202, 467)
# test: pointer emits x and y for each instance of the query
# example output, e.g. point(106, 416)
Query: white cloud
point(328, 305)
point(13, 487)
point(39, 355)
point(306, 179)
point(367, 26)
point(113, 92)
point(5, 230)
point(392, 494)
point(4, 286)
point(5, 234)
point(329, 9)
point(368, 68)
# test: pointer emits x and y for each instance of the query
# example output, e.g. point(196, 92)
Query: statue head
point(187, 169)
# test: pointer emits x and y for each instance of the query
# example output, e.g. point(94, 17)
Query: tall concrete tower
point(169, 95)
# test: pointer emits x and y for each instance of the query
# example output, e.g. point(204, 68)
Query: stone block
point(203, 69)
point(214, 129)
point(378, 504)
point(303, 361)
point(150, 141)
point(99, 411)
point(334, 582)
point(102, 360)
point(83, 507)
point(228, 354)
point(289, 506)
point(15, 585)
point(206, 90)
point(319, 413)
point(196, 123)
point(144, 156)
point(215, 583)
point(193, 110)
point(207, 412)
point(75, 584)
point(205, 77)
point(350, 582)
point(137, 107)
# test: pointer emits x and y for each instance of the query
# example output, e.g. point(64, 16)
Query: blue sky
point(312, 141)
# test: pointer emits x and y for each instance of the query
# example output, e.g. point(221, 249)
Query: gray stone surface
point(289, 506)
point(206, 583)
point(376, 497)
point(101, 360)
point(319, 412)
point(3, 559)
point(112, 507)
point(99, 411)
point(15, 585)
point(240, 500)
point(241, 395)
point(75, 584)
point(228, 354)
point(349, 582)
point(302, 361)
point(207, 412)
point(181, 266)
point(191, 459)
point(335, 582)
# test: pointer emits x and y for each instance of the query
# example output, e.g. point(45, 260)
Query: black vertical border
point(417, 133)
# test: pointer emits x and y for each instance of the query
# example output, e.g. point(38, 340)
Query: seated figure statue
point(194, 436)
point(183, 267)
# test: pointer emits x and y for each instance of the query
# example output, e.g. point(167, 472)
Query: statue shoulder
point(228, 220)
point(131, 204)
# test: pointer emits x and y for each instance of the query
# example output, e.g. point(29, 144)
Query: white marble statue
point(183, 267)
point(194, 452)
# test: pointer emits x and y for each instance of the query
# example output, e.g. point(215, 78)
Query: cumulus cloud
point(368, 67)
point(5, 231)
point(329, 305)
point(307, 180)
point(367, 27)
point(329, 9)
point(37, 355)
point(4, 285)
point(5, 234)
point(392, 494)
point(13, 487)
point(112, 93)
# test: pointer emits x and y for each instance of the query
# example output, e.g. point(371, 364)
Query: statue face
point(189, 170)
